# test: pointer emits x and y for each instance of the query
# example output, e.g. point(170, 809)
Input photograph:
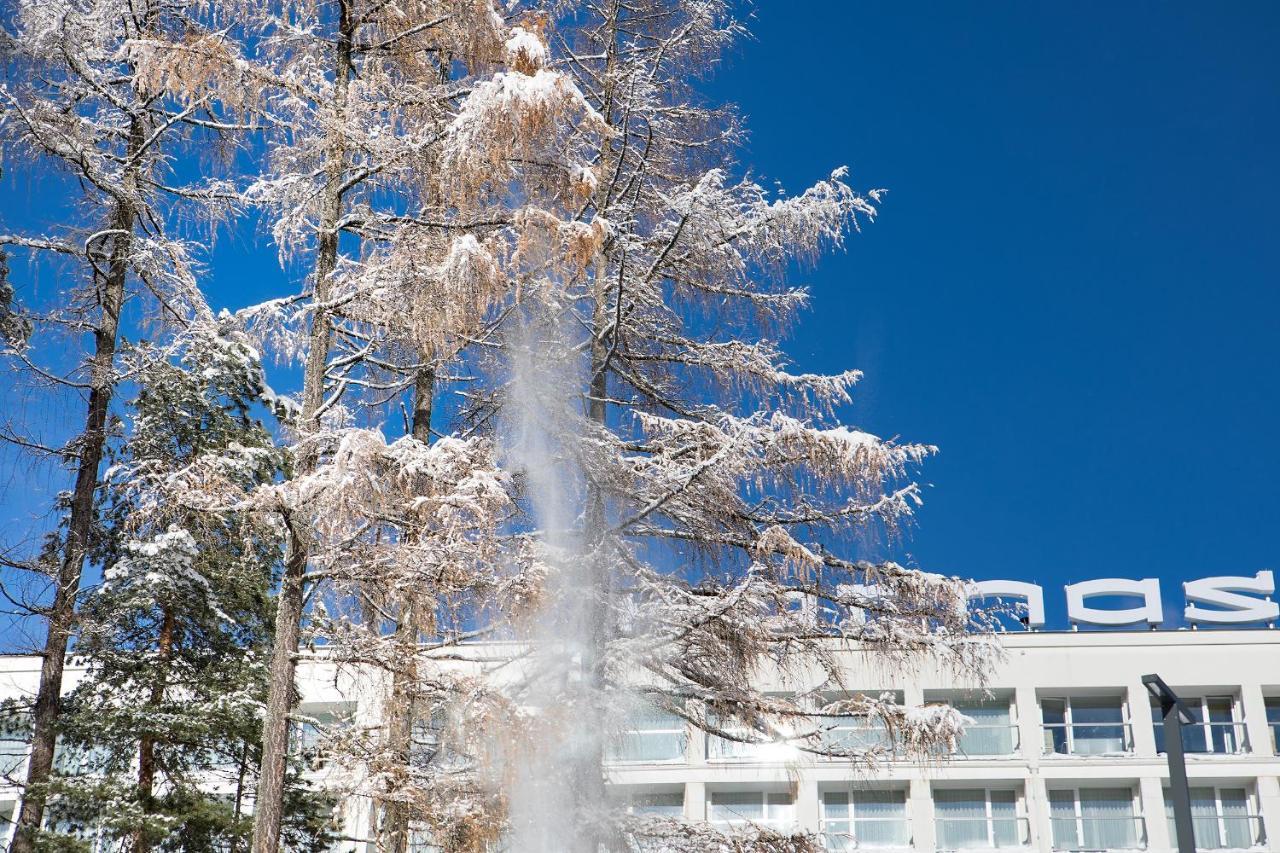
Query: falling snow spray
point(556, 799)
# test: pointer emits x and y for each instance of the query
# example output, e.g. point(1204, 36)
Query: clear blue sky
point(1074, 285)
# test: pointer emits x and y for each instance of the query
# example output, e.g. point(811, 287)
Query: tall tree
point(75, 105)
point(694, 500)
point(353, 102)
point(174, 636)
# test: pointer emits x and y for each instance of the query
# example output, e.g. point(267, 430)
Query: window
point(1085, 726)
point(8, 814)
point(1223, 818)
point(978, 818)
point(1217, 729)
point(852, 733)
point(79, 759)
point(668, 804)
point(1273, 721)
point(865, 818)
point(732, 809)
point(651, 735)
point(313, 724)
point(15, 741)
point(992, 731)
point(1095, 819)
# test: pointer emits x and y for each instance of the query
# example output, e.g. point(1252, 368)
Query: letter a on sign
point(1029, 592)
point(1148, 589)
point(1225, 592)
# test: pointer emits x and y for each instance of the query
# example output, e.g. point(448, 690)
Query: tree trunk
point(393, 835)
point(80, 521)
point(269, 807)
point(147, 743)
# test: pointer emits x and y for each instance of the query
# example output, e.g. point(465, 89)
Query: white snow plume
point(556, 790)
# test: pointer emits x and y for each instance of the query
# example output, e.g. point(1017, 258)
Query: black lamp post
point(1174, 713)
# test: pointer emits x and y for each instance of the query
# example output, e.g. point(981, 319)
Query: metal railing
point(968, 833)
point(1225, 832)
point(1079, 834)
point(1208, 738)
point(1087, 738)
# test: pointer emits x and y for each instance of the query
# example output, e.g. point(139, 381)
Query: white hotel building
point(1064, 756)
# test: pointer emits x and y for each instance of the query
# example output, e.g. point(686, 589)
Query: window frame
point(680, 728)
point(1020, 817)
point(852, 820)
point(767, 821)
point(1238, 731)
point(1137, 816)
point(1252, 810)
point(1068, 724)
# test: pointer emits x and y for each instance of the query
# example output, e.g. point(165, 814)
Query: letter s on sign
point(1225, 592)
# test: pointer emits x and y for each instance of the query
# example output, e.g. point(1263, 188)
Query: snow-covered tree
point(74, 111)
point(175, 635)
point(693, 502)
point(354, 98)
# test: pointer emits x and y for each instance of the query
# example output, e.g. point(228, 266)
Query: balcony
point(984, 833)
point(988, 740)
point(651, 738)
point(1091, 833)
point(1085, 725)
point(1225, 832)
point(854, 735)
point(1208, 738)
point(867, 833)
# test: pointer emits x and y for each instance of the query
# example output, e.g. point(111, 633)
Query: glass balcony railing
point(840, 836)
point(1208, 738)
point(1087, 738)
point(985, 833)
point(845, 735)
point(988, 739)
point(1224, 832)
point(1090, 833)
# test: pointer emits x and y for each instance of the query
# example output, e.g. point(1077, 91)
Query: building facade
point(1065, 753)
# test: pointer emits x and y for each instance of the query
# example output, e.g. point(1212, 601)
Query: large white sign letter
point(1225, 592)
point(1030, 592)
point(1148, 589)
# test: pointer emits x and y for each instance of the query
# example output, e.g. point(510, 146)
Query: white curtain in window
point(650, 736)
point(1004, 819)
point(961, 819)
point(1062, 817)
point(880, 818)
point(736, 807)
point(836, 827)
point(1107, 819)
point(990, 733)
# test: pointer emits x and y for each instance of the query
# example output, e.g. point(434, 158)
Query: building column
point(1144, 734)
point(1269, 808)
point(808, 811)
point(1151, 792)
point(1254, 708)
point(1030, 739)
point(695, 800)
point(1037, 798)
point(920, 815)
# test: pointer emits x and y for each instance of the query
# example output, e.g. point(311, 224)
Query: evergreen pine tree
point(160, 741)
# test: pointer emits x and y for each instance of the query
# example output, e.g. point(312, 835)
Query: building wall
point(1242, 664)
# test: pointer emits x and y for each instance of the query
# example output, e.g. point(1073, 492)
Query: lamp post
point(1174, 713)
